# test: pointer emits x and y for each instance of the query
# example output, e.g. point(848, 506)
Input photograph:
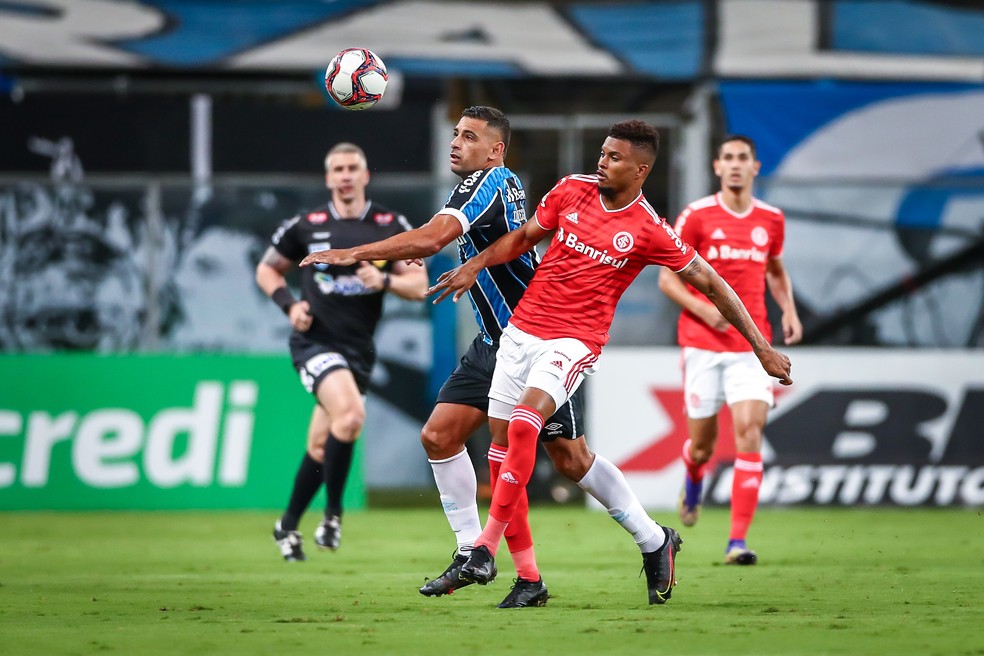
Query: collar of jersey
point(335, 215)
point(743, 215)
point(619, 209)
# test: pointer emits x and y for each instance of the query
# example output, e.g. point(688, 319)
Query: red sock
point(695, 472)
point(518, 534)
point(519, 537)
point(509, 488)
point(496, 455)
point(525, 562)
point(745, 492)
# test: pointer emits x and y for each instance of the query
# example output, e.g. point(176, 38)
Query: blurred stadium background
point(149, 149)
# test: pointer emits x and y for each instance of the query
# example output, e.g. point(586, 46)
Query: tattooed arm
point(706, 280)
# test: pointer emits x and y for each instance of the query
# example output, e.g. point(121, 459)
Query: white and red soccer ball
point(356, 78)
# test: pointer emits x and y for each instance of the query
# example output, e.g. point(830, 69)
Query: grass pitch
point(873, 581)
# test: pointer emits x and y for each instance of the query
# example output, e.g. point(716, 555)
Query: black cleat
point(448, 581)
point(526, 593)
point(328, 535)
point(740, 555)
point(660, 567)
point(289, 543)
point(480, 567)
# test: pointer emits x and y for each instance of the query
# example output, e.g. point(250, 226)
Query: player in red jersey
point(742, 237)
point(488, 203)
point(603, 232)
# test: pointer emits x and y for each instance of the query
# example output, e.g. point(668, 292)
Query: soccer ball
point(356, 78)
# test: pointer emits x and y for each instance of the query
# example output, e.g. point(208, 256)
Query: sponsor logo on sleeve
point(673, 235)
point(514, 194)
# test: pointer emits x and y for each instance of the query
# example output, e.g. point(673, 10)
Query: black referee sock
point(306, 483)
point(338, 460)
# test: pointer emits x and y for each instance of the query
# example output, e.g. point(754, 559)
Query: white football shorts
point(556, 366)
point(711, 379)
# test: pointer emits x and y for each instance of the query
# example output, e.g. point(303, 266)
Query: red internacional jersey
point(592, 258)
point(739, 247)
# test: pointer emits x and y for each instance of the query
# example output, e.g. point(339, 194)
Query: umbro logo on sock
point(752, 482)
point(509, 478)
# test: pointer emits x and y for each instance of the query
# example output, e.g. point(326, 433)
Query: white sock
point(455, 478)
point(605, 482)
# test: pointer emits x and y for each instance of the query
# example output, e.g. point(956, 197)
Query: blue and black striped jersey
point(489, 203)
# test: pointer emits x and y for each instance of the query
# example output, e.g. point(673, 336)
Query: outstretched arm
point(506, 248)
point(421, 242)
point(706, 280)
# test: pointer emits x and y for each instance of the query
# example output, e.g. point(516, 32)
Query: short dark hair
point(737, 137)
point(640, 134)
point(495, 119)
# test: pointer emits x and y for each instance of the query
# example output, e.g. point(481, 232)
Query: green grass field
point(873, 581)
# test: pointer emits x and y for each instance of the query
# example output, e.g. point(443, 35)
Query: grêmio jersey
point(344, 310)
point(739, 247)
point(490, 203)
point(593, 256)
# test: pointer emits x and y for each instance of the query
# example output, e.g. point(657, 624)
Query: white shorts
point(556, 366)
point(711, 378)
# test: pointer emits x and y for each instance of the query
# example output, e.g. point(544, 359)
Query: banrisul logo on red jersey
point(623, 242)
point(857, 427)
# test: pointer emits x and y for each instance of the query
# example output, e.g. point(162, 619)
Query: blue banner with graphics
point(878, 181)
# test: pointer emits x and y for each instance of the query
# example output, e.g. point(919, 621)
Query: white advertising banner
point(857, 427)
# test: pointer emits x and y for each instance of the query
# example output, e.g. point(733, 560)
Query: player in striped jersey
point(743, 238)
point(602, 233)
point(487, 204)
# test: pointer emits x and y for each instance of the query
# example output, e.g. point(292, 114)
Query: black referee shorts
point(315, 360)
point(469, 384)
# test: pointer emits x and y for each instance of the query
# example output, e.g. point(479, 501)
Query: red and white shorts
point(711, 378)
point(556, 366)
